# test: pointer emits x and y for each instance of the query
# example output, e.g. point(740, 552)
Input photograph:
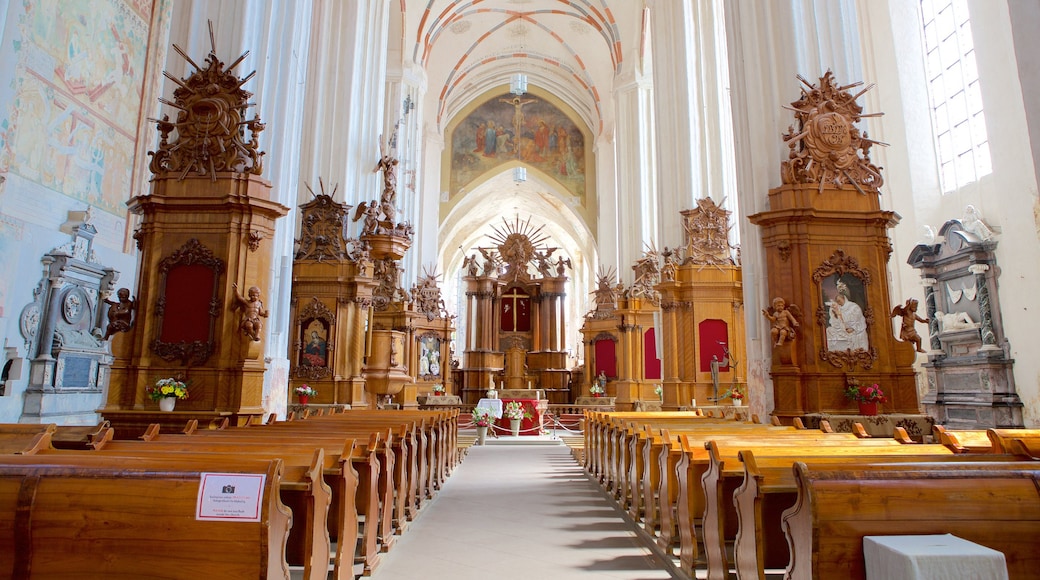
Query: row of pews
point(735, 495)
point(338, 489)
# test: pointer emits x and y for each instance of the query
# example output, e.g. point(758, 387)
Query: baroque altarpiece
point(827, 252)
point(515, 317)
point(675, 337)
point(360, 338)
point(204, 239)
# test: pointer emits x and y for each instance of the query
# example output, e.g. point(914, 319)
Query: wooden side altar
point(827, 252)
point(205, 242)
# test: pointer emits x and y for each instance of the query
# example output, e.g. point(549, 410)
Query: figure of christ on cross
point(518, 118)
point(516, 308)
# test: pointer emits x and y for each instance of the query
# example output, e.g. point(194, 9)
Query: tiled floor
point(520, 512)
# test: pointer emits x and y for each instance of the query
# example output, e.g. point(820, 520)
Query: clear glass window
point(958, 117)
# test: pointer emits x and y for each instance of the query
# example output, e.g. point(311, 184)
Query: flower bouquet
point(305, 392)
point(482, 417)
point(736, 395)
point(868, 398)
point(166, 392)
point(168, 388)
point(516, 410)
point(596, 390)
point(438, 390)
point(659, 391)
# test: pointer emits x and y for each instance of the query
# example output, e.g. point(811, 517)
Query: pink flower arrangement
point(871, 394)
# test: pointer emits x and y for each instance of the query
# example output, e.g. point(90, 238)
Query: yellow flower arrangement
point(168, 387)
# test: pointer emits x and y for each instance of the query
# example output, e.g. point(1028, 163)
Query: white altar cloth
point(492, 405)
point(933, 557)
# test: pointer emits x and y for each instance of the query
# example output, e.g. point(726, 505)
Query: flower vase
point(304, 399)
point(738, 402)
point(597, 395)
point(481, 435)
point(514, 427)
point(167, 404)
point(868, 409)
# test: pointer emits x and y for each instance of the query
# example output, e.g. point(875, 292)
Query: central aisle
point(520, 512)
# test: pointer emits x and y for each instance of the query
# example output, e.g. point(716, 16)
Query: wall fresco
point(76, 97)
point(526, 128)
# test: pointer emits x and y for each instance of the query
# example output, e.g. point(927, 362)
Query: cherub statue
point(120, 313)
point(907, 332)
point(252, 312)
point(783, 321)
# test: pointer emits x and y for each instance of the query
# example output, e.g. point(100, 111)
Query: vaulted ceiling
point(574, 50)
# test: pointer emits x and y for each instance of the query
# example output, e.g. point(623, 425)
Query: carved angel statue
point(252, 312)
point(562, 265)
point(783, 320)
point(120, 313)
point(907, 332)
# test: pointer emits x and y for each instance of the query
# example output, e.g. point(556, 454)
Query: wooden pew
point(769, 488)
point(963, 440)
point(990, 503)
point(1001, 438)
point(357, 530)
point(303, 488)
point(101, 520)
point(26, 443)
point(700, 486)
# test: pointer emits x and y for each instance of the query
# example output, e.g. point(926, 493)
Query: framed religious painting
point(314, 345)
point(844, 314)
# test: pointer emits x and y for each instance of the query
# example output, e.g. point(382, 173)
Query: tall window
point(953, 87)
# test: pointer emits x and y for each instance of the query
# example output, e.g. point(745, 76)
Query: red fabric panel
point(523, 315)
point(606, 358)
point(515, 311)
point(714, 338)
point(651, 362)
point(189, 290)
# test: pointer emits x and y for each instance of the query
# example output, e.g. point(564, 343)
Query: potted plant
point(167, 391)
point(438, 390)
point(736, 395)
point(516, 412)
point(304, 392)
point(868, 398)
point(482, 419)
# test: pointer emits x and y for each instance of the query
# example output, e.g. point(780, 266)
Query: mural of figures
point(75, 116)
point(844, 298)
point(523, 128)
point(315, 345)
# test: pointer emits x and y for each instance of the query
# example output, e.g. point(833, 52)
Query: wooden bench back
point(129, 521)
point(990, 503)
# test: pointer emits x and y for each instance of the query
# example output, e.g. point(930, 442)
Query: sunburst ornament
point(827, 148)
point(208, 134)
point(517, 244)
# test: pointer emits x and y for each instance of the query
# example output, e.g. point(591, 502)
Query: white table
point(938, 557)
point(494, 406)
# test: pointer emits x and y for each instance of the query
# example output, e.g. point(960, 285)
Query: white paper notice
point(230, 497)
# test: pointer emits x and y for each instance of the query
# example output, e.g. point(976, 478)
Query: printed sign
point(230, 497)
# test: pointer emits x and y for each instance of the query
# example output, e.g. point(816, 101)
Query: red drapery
point(714, 339)
point(651, 362)
point(606, 357)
